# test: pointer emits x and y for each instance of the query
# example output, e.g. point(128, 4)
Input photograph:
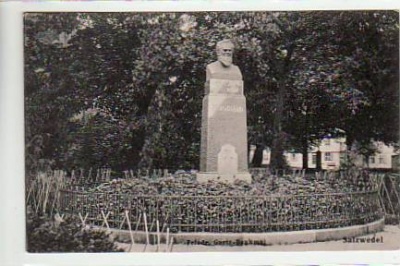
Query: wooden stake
point(146, 229)
point(393, 184)
point(58, 219)
point(105, 217)
point(158, 235)
point(165, 224)
point(29, 193)
point(166, 240)
point(138, 222)
point(151, 226)
point(83, 220)
point(394, 189)
point(147, 232)
point(53, 204)
point(122, 223)
point(388, 198)
point(46, 196)
point(380, 196)
point(172, 244)
point(130, 230)
point(39, 196)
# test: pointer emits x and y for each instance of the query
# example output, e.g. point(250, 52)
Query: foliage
point(372, 64)
point(65, 235)
point(124, 90)
point(288, 202)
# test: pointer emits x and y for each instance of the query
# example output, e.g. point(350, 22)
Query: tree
point(372, 54)
point(328, 98)
point(50, 88)
point(135, 102)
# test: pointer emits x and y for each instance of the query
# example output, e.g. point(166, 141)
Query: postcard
point(215, 135)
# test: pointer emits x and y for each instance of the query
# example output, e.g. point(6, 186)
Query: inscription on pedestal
point(231, 108)
point(227, 160)
point(223, 86)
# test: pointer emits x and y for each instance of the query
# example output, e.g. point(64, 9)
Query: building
point(332, 150)
point(382, 159)
point(396, 162)
point(333, 156)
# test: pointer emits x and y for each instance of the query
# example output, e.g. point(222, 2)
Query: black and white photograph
point(211, 131)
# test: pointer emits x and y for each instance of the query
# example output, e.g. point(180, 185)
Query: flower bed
point(183, 205)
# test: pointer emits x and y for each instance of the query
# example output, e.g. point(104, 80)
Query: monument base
point(228, 178)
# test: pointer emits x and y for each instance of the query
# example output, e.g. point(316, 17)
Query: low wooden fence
point(224, 213)
point(390, 197)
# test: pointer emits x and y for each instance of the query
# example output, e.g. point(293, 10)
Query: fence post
point(130, 229)
point(146, 229)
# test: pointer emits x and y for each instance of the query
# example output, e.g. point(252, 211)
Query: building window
point(381, 160)
point(293, 156)
point(371, 159)
point(314, 158)
point(327, 142)
point(328, 156)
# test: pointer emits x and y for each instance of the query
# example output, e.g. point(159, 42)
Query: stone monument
point(224, 154)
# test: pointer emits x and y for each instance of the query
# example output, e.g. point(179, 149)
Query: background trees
point(124, 90)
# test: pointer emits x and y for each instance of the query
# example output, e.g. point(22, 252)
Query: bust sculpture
point(223, 151)
point(224, 68)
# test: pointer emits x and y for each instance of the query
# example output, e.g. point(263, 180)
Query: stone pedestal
point(224, 154)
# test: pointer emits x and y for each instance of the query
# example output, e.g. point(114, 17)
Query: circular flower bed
point(273, 203)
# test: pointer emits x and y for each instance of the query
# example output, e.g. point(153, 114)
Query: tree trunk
point(277, 158)
point(258, 156)
point(147, 132)
point(318, 166)
point(304, 143)
point(304, 149)
point(152, 133)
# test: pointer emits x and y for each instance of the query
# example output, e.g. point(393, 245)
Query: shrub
point(65, 235)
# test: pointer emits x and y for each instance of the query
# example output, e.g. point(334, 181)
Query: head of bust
point(225, 52)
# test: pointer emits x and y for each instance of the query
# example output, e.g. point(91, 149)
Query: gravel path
point(389, 239)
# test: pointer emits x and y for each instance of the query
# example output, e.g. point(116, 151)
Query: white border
point(12, 216)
